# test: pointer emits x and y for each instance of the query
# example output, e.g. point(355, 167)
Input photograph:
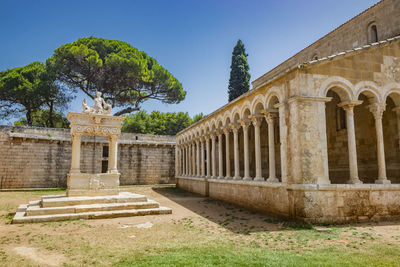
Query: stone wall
point(312, 203)
point(41, 157)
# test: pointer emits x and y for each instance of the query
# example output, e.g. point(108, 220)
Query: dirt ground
point(194, 220)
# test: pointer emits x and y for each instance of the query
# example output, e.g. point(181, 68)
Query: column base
point(383, 181)
point(354, 181)
point(259, 179)
point(272, 180)
point(220, 177)
point(237, 178)
point(247, 179)
point(227, 178)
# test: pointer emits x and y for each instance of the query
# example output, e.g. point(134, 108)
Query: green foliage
point(198, 117)
point(42, 118)
point(158, 123)
point(126, 76)
point(239, 76)
point(27, 89)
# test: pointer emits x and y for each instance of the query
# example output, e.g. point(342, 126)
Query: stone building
point(317, 138)
point(41, 157)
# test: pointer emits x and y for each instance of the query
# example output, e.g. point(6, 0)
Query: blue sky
point(192, 39)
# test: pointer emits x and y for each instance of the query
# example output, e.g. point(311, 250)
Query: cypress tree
point(240, 76)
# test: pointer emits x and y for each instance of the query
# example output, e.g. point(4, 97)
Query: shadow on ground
point(231, 217)
point(240, 220)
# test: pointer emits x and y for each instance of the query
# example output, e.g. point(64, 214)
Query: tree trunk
point(51, 119)
point(29, 117)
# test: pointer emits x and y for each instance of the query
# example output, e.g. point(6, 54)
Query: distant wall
point(41, 157)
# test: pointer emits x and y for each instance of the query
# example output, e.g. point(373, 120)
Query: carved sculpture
point(100, 106)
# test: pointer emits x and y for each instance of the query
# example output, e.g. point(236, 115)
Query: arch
point(368, 88)
point(246, 106)
point(213, 124)
point(227, 118)
point(392, 89)
point(235, 114)
point(273, 91)
point(269, 103)
point(259, 99)
point(339, 85)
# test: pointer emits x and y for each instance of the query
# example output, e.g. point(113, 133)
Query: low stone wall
point(339, 203)
point(345, 203)
point(33, 157)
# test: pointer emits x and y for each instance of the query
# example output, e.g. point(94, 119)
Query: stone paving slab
point(20, 218)
point(35, 210)
point(122, 197)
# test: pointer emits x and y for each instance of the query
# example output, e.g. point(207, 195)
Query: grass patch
point(228, 255)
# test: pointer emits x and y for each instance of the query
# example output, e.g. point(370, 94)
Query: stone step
point(21, 218)
point(36, 210)
point(62, 200)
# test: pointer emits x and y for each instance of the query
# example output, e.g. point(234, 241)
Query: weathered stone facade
point(41, 157)
point(317, 138)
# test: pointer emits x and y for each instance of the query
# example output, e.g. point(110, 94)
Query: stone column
point(397, 110)
point(307, 141)
point(189, 159)
point(208, 157)
point(176, 160)
point(113, 155)
point(351, 140)
point(202, 157)
point(220, 156)
point(245, 125)
point(186, 160)
point(193, 159)
point(256, 120)
point(227, 154)
point(213, 157)
point(377, 110)
point(235, 129)
point(270, 116)
point(76, 153)
point(197, 158)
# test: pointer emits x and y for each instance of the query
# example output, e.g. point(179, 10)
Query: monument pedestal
point(86, 184)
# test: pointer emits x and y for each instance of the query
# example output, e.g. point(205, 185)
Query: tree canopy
point(126, 76)
point(158, 123)
point(28, 89)
point(45, 118)
point(239, 76)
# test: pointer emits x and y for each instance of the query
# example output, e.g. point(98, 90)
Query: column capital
point(245, 123)
point(270, 115)
point(235, 127)
point(256, 120)
point(219, 132)
point(377, 110)
point(349, 105)
point(226, 130)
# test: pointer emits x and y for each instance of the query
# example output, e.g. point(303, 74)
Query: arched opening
point(391, 137)
point(336, 134)
point(273, 115)
point(372, 33)
point(228, 150)
point(235, 121)
point(366, 141)
point(250, 145)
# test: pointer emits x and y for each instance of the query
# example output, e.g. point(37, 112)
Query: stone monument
point(94, 121)
point(90, 195)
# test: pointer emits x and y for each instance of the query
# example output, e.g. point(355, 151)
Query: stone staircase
point(61, 207)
